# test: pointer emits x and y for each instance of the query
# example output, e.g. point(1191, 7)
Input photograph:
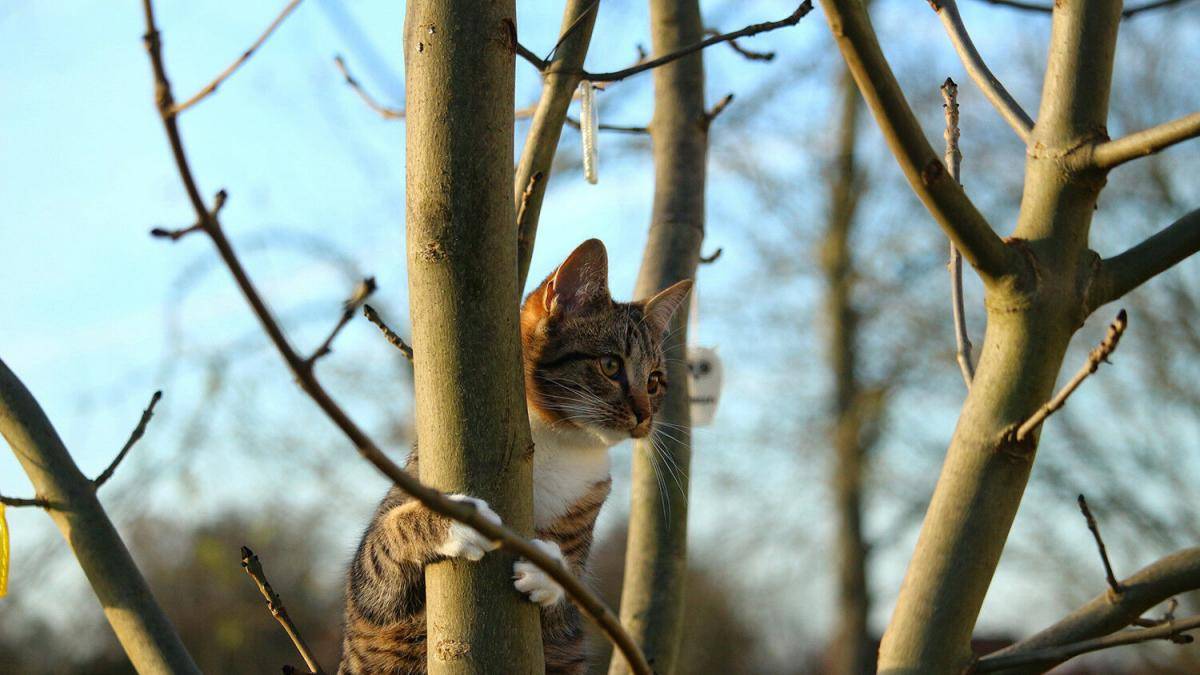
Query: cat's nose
point(642, 429)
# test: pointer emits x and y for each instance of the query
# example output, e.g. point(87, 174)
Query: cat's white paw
point(532, 581)
point(462, 541)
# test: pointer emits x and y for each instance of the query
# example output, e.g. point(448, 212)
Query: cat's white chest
point(565, 468)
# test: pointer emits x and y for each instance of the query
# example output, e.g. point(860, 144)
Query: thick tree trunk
point(145, 633)
point(656, 558)
point(1031, 318)
point(472, 424)
point(851, 647)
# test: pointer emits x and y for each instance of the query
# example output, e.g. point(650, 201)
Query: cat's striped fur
point(579, 405)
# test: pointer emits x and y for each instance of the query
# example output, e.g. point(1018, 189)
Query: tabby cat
point(594, 376)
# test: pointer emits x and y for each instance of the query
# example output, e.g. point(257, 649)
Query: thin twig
point(1010, 110)
point(615, 128)
point(1047, 9)
point(1052, 655)
point(712, 257)
point(953, 160)
point(384, 111)
point(254, 568)
point(362, 291)
point(1113, 585)
point(617, 75)
point(23, 501)
point(1111, 154)
point(717, 109)
point(749, 54)
point(434, 500)
point(1097, 355)
point(219, 79)
point(396, 341)
point(134, 437)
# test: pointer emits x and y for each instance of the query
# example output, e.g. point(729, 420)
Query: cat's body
point(580, 404)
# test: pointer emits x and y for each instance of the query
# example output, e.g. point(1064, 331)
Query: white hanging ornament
point(705, 373)
point(589, 126)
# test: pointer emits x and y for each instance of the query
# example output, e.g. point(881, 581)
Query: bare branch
point(712, 257)
point(617, 75)
point(254, 568)
point(23, 501)
point(1113, 585)
point(1114, 153)
point(1047, 9)
point(1042, 659)
point(615, 128)
point(1126, 271)
point(962, 340)
point(362, 291)
point(1097, 355)
point(384, 111)
point(747, 53)
point(717, 109)
point(134, 437)
point(392, 337)
point(1010, 110)
point(434, 500)
point(212, 86)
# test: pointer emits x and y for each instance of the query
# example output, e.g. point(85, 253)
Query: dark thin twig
point(397, 341)
point(362, 291)
point(750, 54)
point(712, 257)
point(254, 568)
point(22, 501)
point(615, 76)
point(1114, 586)
point(571, 29)
point(1097, 355)
point(615, 128)
point(711, 113)
point(212, 86)
point(1173, 631)
point(134, 437)
point(962, 340)
point(1047, 9)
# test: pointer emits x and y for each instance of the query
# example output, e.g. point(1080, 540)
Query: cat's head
point(592, 363)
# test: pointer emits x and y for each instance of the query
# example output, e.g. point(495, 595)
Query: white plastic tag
point(589, 126)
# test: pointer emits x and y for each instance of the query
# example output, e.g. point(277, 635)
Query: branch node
point(362, 291)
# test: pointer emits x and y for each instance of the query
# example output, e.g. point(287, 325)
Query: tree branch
point(384, 111)
point(615, 128)
point(392, 337)
point(1044, 659)
point(1046, 9)
point(749, 54)
point(134, 437)
point(962, 340)
point(212, 86)
point(617, 75)
point(362, 291)
point(1010, 110)
point(1126, 271)
point(434, 500)
point(942, 195)
point(254, 568)
point(23, 501)
point(1095, 357)
point(1113, 585)
point(1114, 153)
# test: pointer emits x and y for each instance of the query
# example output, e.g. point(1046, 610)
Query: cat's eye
point(656, 382)
point(610, 366)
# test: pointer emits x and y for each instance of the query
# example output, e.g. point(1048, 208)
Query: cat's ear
point(663, 306)
point(580, 281)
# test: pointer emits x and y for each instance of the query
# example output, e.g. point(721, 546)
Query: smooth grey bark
point(851, 650)
point(471, 420)
point(141, 626)
point(656, 557)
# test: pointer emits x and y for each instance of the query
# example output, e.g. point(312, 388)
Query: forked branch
point(253, 567)
point(434, 500)
point(942, 195)
point(1010, 110)
point(1043, 658)
point(1124, 272)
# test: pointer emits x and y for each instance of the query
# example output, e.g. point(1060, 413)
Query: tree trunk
point(1031, 318)
point(851, 647)
point(471, 418)
point(145, 633)
point(656, 558)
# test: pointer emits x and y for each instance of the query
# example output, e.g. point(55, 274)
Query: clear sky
point(97, 314)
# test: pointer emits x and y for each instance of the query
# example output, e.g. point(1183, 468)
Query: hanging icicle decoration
point(589, 125)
